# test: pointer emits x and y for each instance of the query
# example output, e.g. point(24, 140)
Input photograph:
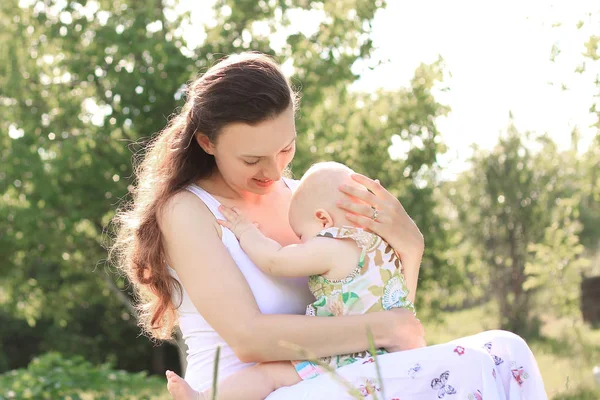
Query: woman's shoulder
point(182, 200)
point(183, 207)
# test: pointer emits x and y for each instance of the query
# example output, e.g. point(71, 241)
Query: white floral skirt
point(491, 365)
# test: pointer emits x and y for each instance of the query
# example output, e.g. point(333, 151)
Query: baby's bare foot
point(180, 389)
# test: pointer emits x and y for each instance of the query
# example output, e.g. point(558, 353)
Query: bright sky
point(499, 56)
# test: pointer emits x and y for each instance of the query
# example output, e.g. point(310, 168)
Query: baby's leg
point(258, 381)
point(253, 383)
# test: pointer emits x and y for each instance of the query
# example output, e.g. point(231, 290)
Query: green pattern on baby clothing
point(376, 284)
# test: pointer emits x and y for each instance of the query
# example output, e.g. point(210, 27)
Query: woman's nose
point(272, 171)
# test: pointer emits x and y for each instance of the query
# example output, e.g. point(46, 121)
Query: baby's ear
point(324, 218)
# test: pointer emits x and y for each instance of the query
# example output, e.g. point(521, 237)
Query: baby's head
point(313, 205)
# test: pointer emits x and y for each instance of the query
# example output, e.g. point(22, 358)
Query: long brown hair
point(247, 88)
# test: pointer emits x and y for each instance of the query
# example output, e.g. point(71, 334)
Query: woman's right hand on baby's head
point(406, 331)
point(235, 221)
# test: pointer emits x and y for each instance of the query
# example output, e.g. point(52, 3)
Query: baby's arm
point(314, 257)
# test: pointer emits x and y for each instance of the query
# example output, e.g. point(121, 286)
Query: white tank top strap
point(228, 238)
point(212, 203)
point(291, 183)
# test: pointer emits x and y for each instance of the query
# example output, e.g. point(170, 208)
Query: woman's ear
point(324, 218)
point(205, 143)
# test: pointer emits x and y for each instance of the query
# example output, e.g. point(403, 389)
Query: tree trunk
point(182, 350)
point(158, 360)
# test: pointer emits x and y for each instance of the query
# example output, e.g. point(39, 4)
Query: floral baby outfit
point(376, 284)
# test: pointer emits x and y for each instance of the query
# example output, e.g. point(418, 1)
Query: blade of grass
point(215, 373)
point(377, 369)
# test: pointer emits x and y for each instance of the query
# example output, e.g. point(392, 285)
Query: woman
point(231, 144)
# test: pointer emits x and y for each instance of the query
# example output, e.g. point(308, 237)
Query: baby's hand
point(235, 221)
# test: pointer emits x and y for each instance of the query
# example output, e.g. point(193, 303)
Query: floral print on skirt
point(492, 365)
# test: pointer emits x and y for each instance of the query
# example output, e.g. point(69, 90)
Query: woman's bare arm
point(221, 294)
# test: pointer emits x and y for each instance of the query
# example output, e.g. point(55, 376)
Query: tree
point(589, 179)
point(517, 208)
point(555, 264)
point(588, 71)
point(89, 82)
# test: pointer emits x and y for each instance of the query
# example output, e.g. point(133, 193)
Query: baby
point(350, 270)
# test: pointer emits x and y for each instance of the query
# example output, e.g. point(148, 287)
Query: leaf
point(348, 296)
point(320, 302)
point(386, 274)
point(378, 259)
point(375, 308)
point(376, 290)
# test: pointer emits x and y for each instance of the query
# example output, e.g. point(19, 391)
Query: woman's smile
point(263, 182)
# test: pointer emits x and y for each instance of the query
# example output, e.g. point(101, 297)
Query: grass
point(566, 353)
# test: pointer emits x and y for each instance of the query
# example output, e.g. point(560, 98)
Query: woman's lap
point(491, 365)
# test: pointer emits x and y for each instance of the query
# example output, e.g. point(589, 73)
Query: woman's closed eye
point(255, 161)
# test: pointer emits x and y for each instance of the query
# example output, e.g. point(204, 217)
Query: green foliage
point(582, 394)
point(89, 82)
point(588, 163)
point(500, 211)
point(520, 221)
point(589, 184)
point(52, 376)
point(556, 262)
point(93, 333)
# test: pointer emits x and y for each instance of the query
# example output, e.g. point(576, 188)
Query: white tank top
point(273, 295)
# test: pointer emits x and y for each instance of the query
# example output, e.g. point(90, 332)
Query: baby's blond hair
point(318, 187)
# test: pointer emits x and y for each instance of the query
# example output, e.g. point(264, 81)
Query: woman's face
point(253, 157)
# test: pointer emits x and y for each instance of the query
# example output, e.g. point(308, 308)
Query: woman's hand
point(383, 215)
point(406, 331)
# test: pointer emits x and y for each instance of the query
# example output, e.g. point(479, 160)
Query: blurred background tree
point(518, 209)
